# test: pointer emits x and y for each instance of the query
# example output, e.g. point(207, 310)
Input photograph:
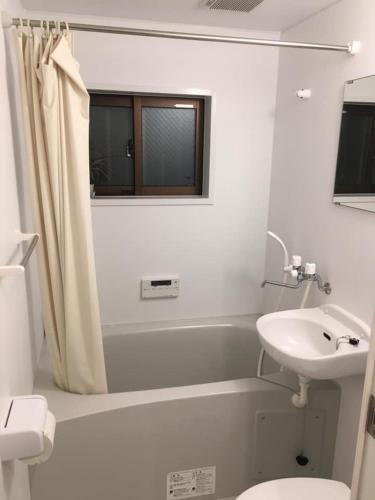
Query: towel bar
point(20, 268)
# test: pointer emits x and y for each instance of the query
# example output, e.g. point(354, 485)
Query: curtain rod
point(351, 48)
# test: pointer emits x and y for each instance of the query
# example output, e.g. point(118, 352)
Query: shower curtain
point(56, 115)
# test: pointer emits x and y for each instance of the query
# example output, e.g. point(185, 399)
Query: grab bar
point(20, 268)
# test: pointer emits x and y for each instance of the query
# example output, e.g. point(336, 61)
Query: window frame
point(107, 99)
point(137, 101)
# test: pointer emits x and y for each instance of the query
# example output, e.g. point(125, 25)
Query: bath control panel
point(157, 287)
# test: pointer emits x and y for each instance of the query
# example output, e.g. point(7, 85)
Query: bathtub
point(183, 397)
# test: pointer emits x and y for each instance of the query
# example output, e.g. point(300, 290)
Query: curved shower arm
point(282, 244)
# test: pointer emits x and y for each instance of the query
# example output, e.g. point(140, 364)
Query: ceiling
point(271, 15)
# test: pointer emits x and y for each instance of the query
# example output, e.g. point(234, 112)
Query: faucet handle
point(294, 266)
point(310, 268)
point(296, 261)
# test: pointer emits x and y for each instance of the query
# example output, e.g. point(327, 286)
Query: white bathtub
point(183, 396)
point(176, 355)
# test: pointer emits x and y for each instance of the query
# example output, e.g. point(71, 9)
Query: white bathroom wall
point(341, 240)
point(20, 323)
point(217, 250)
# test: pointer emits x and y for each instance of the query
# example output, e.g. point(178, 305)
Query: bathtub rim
point(68, 406)
point(244, 321)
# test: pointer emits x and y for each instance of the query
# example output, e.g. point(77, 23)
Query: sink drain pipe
point(300, 399)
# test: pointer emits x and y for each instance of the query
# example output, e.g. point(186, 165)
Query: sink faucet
point(302, 273)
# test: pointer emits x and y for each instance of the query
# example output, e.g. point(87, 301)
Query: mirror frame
point(362, 202)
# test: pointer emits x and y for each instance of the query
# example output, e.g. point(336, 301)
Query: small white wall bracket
point(11, 270)
point(304, 93)
point(27, 429)
point(354, 47)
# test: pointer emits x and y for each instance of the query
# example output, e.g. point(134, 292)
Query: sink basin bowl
point(304, 340)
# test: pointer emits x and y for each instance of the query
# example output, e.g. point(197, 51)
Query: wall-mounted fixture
point(302, 273)
point(12, 270)
point(303, 93)
point(311, 343)
point(354, 180)
point(157, 287)
point(351, 48)
point(27, 429)
point(232, 5)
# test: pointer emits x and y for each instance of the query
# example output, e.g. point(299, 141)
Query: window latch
point(129, 149)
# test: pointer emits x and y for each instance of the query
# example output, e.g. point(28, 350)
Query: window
point(146, 145)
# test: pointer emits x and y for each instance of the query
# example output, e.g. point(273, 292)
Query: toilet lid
point(297, 488)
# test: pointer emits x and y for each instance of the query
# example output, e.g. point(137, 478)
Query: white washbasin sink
point(304, 340)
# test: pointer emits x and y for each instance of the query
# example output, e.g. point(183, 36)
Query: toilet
point(297, 488)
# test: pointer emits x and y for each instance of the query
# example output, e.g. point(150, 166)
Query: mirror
point(355, 170)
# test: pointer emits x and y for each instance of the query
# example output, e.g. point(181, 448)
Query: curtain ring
point(65, 32)
point(29, 30)
point(48, 30)
point(43, 27)
point(57, 28)
point(20, 27)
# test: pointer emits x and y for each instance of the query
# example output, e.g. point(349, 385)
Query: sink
point(304, 340)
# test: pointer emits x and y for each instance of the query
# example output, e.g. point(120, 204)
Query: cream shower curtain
point(56, 115)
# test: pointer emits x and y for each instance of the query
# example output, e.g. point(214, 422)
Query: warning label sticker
point(191, 483)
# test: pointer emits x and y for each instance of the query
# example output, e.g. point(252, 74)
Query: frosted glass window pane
point(168, 149)
point(111, 128)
